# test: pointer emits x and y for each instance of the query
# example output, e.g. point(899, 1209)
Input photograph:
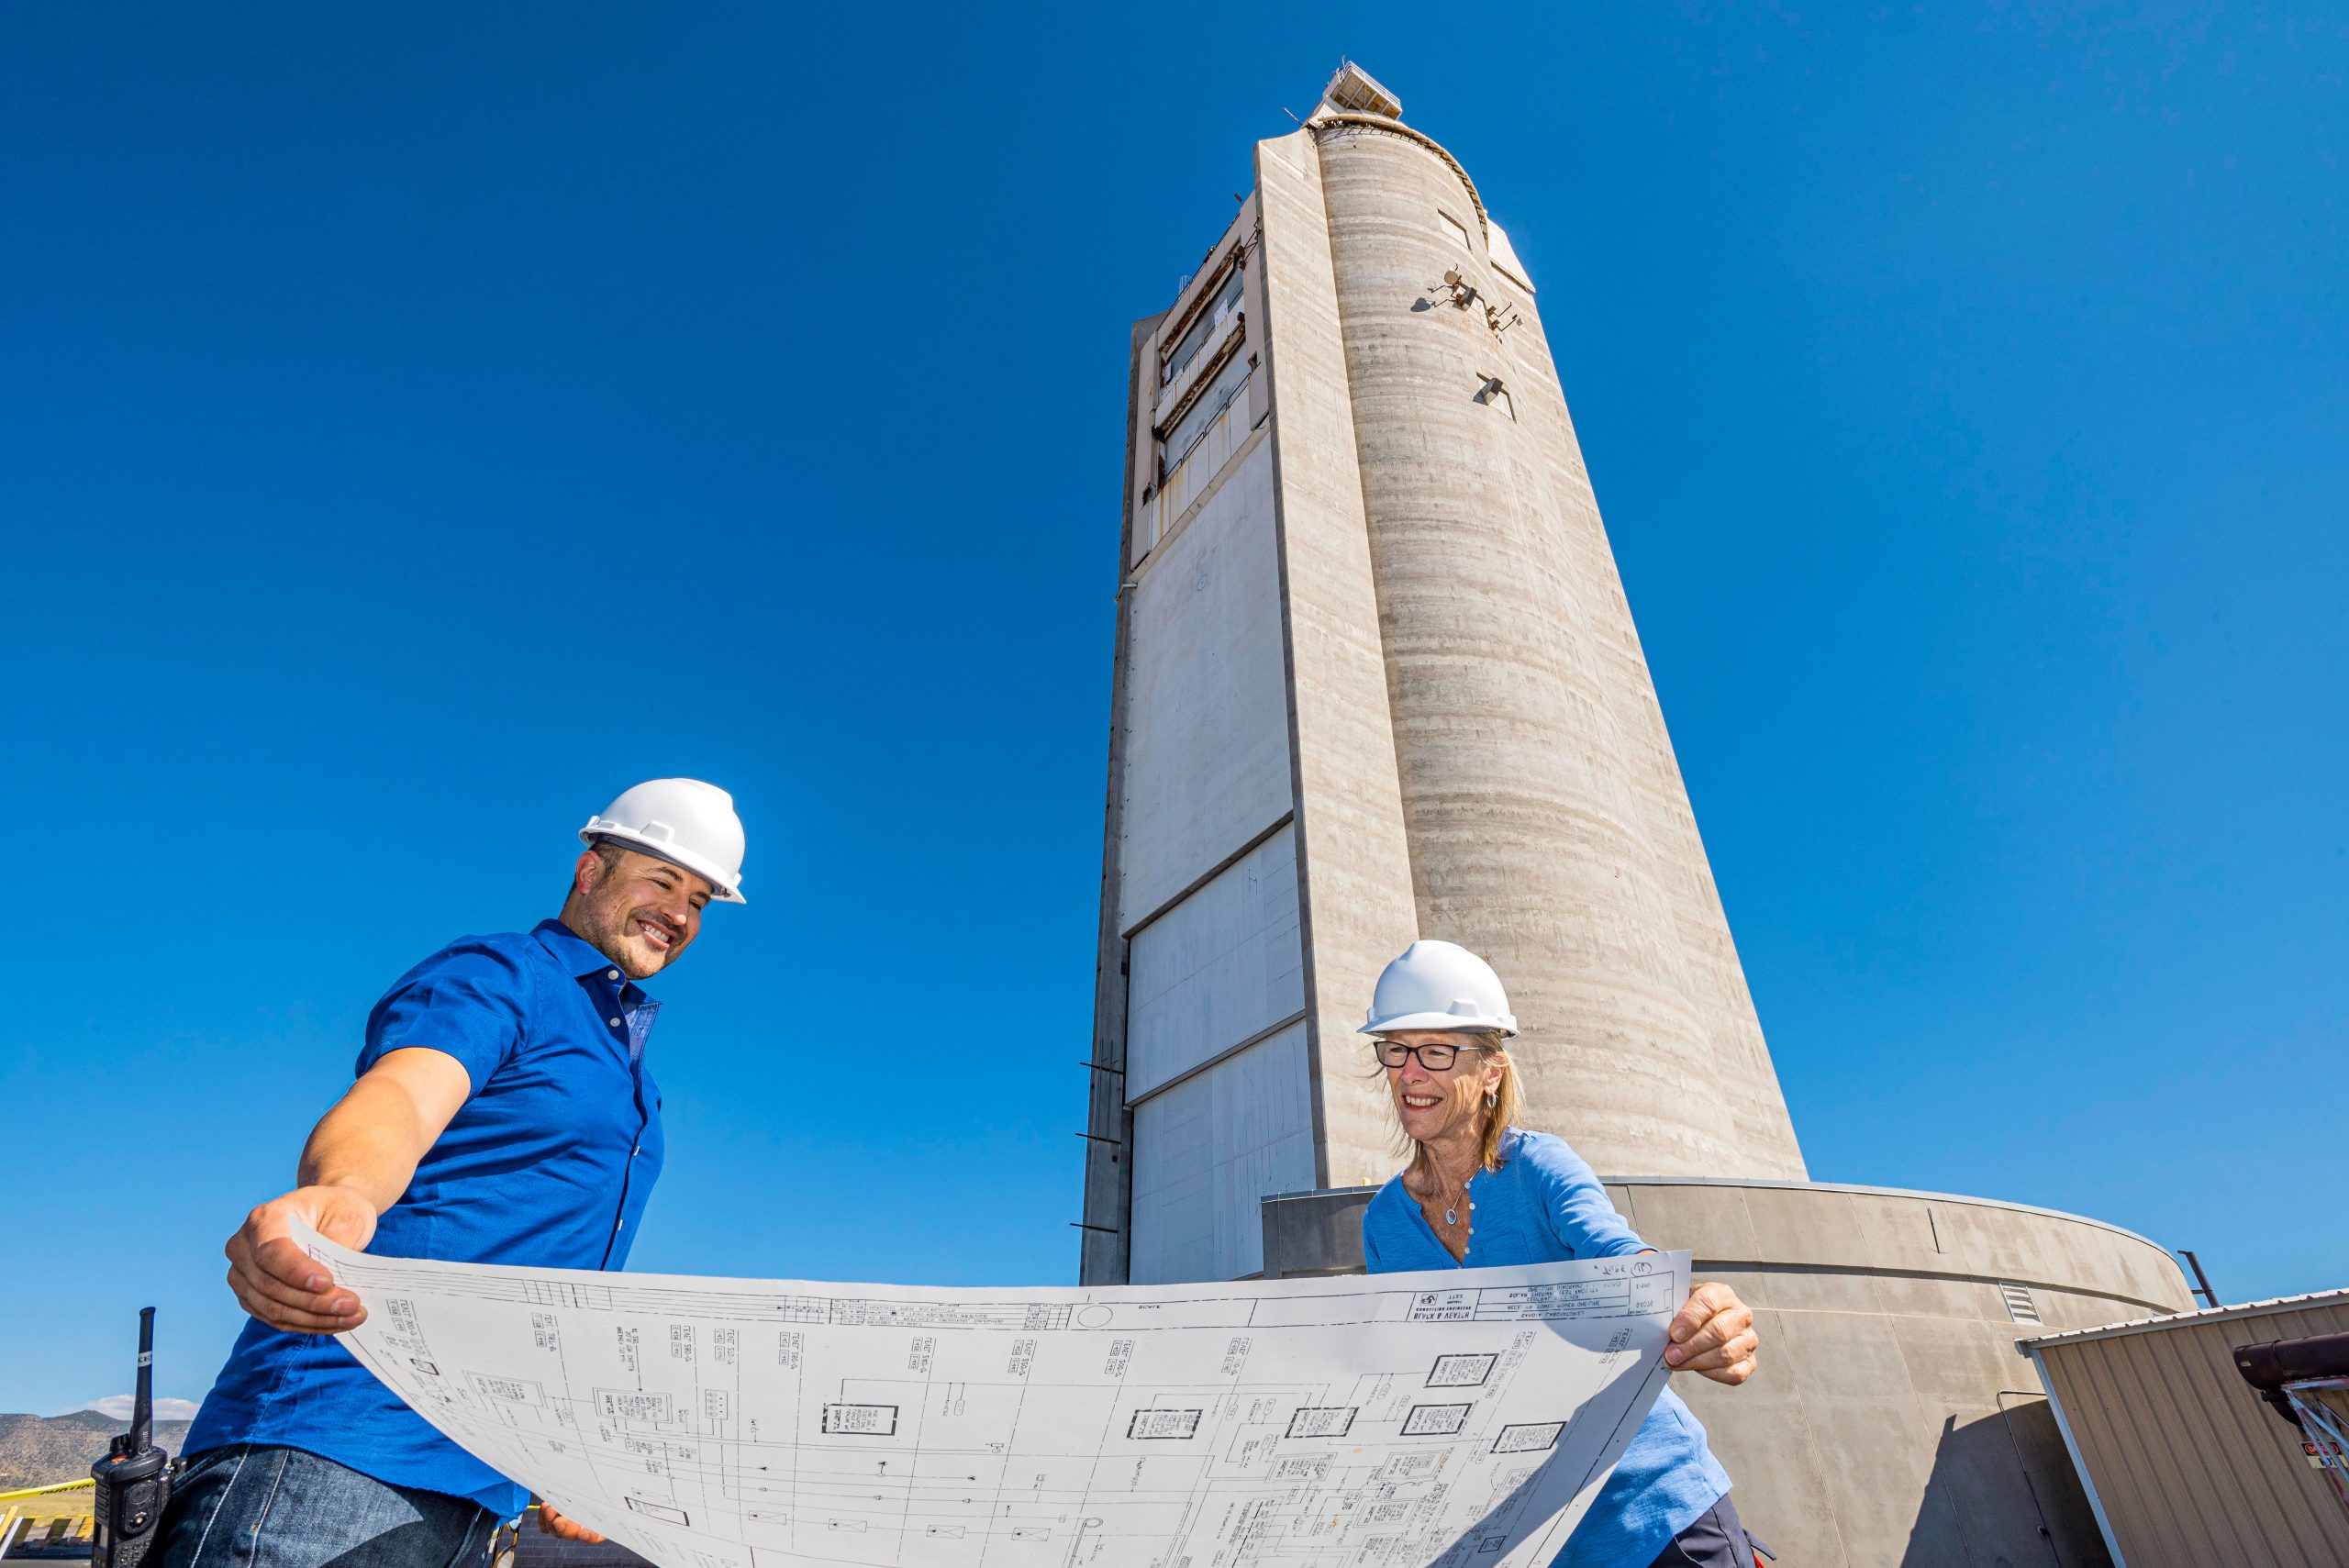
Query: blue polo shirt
point(1543, 1205)
point(547, 1164)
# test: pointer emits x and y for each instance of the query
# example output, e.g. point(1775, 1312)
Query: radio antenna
point(142, 1404)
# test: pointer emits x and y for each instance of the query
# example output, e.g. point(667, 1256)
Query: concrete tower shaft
point(1717, 980)
point(1548, 826)
point(1377, 680)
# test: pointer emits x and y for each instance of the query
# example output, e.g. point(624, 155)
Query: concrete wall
point(1893, 1420)
point(2191, 1468)
point(1547, 828)
point(1716, 980)
point(1353, 850)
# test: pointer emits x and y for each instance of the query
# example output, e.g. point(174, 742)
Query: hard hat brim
point(1452, 1023)
point(720, 890)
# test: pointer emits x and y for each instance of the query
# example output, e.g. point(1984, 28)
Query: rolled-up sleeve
point(1580, 1211)
point(467, 1001)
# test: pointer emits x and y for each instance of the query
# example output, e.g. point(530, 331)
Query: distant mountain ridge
point(36, 1451)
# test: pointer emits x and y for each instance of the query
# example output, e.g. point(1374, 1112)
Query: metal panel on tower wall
point(1217, 969)
point(1208, 1150)
point(1207, 750)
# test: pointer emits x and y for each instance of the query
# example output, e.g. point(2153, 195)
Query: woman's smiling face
point(1438, 1105)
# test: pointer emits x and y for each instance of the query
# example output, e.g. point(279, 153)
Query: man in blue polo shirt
point(503, 1114)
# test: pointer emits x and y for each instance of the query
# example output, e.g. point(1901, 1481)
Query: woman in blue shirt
point(1480, 1192)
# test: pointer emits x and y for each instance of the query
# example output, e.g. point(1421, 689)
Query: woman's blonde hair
point(1499, 1116)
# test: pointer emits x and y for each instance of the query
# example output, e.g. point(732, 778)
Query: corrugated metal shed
point(2183, 1464)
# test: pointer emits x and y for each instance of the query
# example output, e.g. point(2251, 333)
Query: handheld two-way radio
point(134, 1480)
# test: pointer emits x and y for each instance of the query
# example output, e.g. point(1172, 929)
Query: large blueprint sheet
point(1382, 1421)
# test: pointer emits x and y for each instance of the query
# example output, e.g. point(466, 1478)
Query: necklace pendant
point(1451, 1217)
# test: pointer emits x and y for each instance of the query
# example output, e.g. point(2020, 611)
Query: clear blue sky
point(417, 422)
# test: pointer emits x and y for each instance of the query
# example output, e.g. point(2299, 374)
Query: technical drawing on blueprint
point(1380, 1421)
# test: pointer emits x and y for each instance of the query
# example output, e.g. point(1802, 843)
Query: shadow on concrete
point(2003, 1495)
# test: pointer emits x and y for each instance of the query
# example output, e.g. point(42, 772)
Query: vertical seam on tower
point(1106, 1110)
point(1318, 1120)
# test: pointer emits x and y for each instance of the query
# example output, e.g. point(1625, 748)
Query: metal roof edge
point(2246, 1309)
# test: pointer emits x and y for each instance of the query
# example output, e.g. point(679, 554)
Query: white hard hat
point(683, 820)
point(1439, 985)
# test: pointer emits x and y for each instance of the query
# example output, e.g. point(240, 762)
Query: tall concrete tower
point(1377, 680)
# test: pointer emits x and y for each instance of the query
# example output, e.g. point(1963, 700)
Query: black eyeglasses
point(1434, 1058)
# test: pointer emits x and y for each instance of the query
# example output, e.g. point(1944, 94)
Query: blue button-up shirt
point(1543, 1205)
point(548, 1163)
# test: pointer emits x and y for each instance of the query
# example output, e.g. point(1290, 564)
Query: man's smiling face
point(637, 910)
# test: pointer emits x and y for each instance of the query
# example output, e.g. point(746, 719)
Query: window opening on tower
point(1221, 304)
point(1212, 427)
point(1204, 410)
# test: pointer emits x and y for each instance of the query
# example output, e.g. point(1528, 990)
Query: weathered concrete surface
point(1717, 981)
point(1547, 827)
point(1353, 850)
point(1893, 1421)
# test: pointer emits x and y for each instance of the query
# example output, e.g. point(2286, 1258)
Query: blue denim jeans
point(258, 1505)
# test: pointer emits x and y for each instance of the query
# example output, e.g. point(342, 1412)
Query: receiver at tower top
point(1377, 680)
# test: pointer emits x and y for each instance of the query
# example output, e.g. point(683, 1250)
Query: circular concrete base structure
point(1892, 1423)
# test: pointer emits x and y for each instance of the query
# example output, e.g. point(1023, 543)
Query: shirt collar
point(581, 960)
